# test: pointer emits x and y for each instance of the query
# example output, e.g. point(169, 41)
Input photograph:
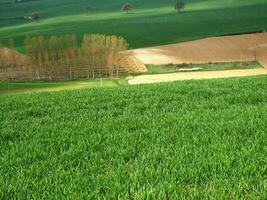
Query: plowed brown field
point(216, 49)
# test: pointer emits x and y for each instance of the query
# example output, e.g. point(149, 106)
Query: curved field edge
point(17, 87)
point(21, 87)
point(193, 139)
point(151, 23)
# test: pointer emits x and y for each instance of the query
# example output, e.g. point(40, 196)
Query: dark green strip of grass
point(8, 88)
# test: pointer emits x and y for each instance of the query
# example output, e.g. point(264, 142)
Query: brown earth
point(129, 63)
point(246, 47)
point(143, 79)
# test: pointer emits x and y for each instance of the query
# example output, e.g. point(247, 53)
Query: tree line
point(62, 57)
point(179, 5)
point(127, 7)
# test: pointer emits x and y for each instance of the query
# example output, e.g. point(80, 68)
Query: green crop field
point(194, 139)
point(150, 23)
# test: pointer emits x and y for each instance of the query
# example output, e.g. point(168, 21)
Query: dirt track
point(216, 49)
point(143, 79)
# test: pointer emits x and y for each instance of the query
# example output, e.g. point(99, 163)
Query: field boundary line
point(144, 79)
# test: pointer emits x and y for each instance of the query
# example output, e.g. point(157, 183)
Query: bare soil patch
point(144, 79)
point(246, 47)
point(130, 64)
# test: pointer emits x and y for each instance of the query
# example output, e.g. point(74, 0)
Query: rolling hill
point(197, 139)
point(150, 23)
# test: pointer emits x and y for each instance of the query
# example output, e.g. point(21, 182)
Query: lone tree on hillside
point(127, 7)
point(179, 5)
point(34, 16)
point(88, 9)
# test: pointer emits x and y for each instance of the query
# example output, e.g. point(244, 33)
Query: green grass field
point(172, 68)
point(8, 88)
point(150, 23)
point(190, 139)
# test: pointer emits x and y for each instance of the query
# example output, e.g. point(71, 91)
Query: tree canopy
point(127, 7)
point(179, 5)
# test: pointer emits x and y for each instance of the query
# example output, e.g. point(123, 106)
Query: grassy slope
point(152, 23)
point(193, 138)
point(50, 86)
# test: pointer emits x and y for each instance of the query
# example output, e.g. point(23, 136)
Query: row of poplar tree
point(62, 57)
